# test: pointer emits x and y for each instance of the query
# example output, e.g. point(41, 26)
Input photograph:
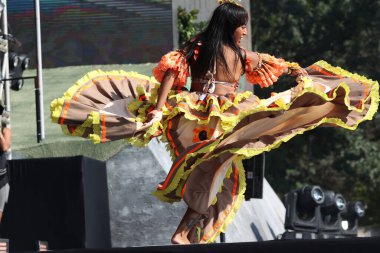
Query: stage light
point(303, 208)
point(17, 84)
point(17, 63)
point(331, 210)
point(340, 202)
point(310, 196)
point(344, 224)
point(355, 210)
point(25, 62)
point(13, 60)
point(315, 213)
point(334, 203)
point(359, 209)
point(350, 218)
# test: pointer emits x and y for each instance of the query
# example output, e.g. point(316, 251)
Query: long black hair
point(219, 31)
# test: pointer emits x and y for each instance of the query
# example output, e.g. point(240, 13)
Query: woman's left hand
point(299, 73)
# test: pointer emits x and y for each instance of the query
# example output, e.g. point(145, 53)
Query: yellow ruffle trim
point(293, 65)
point(148, 135)
point(227, 122)
point(342, 72)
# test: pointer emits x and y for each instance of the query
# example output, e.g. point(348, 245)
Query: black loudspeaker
point(254, 174)
point(63, 201)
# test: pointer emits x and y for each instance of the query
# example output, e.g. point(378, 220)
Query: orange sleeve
point(264, 71)
point(176, 61)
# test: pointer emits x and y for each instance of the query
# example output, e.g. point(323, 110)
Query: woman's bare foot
point(180, 238)
point(188, 222)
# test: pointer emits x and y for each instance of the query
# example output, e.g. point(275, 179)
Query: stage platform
point(358, 245)
point(64, 202)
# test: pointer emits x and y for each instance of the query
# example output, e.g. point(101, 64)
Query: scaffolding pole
point(39, 84)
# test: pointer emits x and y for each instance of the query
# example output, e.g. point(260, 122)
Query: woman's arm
point(5, 139)
point(163, 92)
point(165, 87)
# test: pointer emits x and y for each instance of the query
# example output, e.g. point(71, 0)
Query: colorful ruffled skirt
point(207, 135)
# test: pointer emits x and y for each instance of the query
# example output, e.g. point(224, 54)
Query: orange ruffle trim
point(267, 72)
point(176, 61)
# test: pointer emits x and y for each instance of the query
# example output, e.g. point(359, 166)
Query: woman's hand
point(153, 116)
point(299, 73)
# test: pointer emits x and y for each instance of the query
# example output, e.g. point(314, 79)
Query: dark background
point(345, 34)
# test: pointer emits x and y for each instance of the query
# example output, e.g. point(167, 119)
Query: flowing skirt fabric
point(207, 135)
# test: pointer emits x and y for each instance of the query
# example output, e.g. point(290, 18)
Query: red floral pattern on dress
point(208, 130)
point(176, 61)
point(267, 72)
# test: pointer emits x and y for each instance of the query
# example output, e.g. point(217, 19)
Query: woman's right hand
point(153, 116)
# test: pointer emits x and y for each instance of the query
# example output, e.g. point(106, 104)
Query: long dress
point(209, 135)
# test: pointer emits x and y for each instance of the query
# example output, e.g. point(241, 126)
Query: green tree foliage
point(187, 25)
point(344, 33)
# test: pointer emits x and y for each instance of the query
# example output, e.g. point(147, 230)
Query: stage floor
point(358, 245)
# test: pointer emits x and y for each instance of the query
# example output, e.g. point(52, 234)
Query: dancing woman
point(212, 127)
